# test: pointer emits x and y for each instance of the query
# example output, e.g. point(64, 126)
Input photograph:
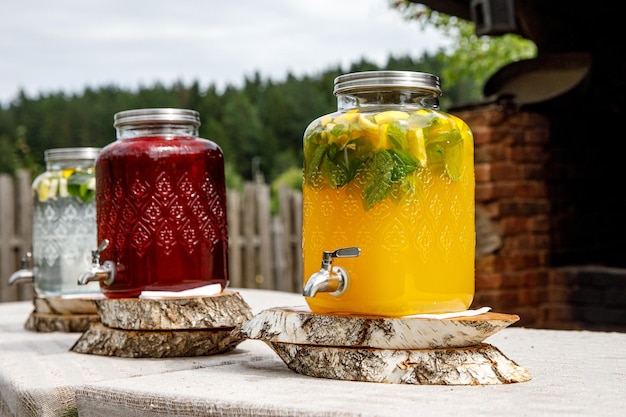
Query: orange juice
point(399, 185)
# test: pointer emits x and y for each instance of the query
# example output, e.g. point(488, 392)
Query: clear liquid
point(64, 234)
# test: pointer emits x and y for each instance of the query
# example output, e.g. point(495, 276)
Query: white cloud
point(67, 45)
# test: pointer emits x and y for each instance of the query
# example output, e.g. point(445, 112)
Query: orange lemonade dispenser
point(388, 210)
point(388, 200)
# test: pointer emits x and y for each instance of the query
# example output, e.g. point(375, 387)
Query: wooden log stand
point(165, 328)
point(421, 351)
point(58, 314)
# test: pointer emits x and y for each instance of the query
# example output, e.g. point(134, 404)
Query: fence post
point(265, 274)
point(7, 263)
point(16, 213)
point(233, 209)
point(288, 259)
point(24, 225)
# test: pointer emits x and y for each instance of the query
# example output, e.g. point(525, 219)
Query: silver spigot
point(25, 273)
point(104, 273)
point(332, 279)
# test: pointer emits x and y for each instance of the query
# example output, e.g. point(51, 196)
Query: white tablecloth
point(574, 373)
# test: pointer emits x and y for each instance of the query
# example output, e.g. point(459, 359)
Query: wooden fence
point(264, 249)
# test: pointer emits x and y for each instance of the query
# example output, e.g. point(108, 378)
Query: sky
point(67, 45)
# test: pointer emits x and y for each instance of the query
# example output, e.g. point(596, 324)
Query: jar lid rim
point(65, 154)
point(156, 115)
point(356, 81)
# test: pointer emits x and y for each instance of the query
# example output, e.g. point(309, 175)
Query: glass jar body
point(161, 204)
point(391, 174)
point(64, 222)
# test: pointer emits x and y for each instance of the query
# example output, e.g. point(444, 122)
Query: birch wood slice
point(68, 323)
point(105, 341)
point(477, 365)
point(298, 325)
point(59, 305)
point(224, 310)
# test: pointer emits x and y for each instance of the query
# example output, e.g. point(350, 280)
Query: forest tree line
point(258, 126)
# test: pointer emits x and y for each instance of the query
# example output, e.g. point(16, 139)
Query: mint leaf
point(435, 153)
point(335, 174)
point(454, 160)
point(81, 185)
point(338, 130)
point(397, 135)
point(403, 164)
point(316, 160)
point(377, 172)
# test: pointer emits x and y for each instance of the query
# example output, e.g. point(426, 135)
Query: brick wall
point(513, 151)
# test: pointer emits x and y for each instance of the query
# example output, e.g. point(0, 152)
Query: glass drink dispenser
point(161, 206)
point(388, 200)
point(64, 223)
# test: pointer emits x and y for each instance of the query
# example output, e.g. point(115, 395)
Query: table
point(574, 373)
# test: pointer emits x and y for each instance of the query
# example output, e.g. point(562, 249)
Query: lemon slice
point(63, 187)
point(390, 116)
point(383, 141)
point(367, 125)
point(325, 121)
point(42, 190)
point(417, 145)
point(53, 188)
point(346, 118)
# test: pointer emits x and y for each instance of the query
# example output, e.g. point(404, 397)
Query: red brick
point(505, 171)
point(511, 225)
point(513, 280)
point(482, 134)
point(488, 281)
point(485, 191)
point(482, 173)
point(540, 223)
point(523, 208)
point(496, 152)
point(485, 264)
point(529, 296)
point(539, 136)
point(525, 241)
point(519, 260)
point(505, 189)
point(528, 153)
point(530, 189)
point(536, 278)
point(532, 171)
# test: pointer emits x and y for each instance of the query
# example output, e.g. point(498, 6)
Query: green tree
point(245, 134)
point(7, 155)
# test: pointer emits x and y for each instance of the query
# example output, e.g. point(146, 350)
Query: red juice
point(161, 203)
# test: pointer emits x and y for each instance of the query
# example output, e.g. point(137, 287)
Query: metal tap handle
point(95, 254)
point(352, 252)
point(327, 256)
point(25, 261)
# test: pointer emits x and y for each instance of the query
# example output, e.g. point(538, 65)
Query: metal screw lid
point(156, 116)
point(69, 154)
point(366, 80)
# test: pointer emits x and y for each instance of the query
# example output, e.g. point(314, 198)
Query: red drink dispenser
point(161, 206)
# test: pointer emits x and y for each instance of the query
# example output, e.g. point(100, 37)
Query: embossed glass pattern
point(64, 221)
point(162, 204)
point(391, 174)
